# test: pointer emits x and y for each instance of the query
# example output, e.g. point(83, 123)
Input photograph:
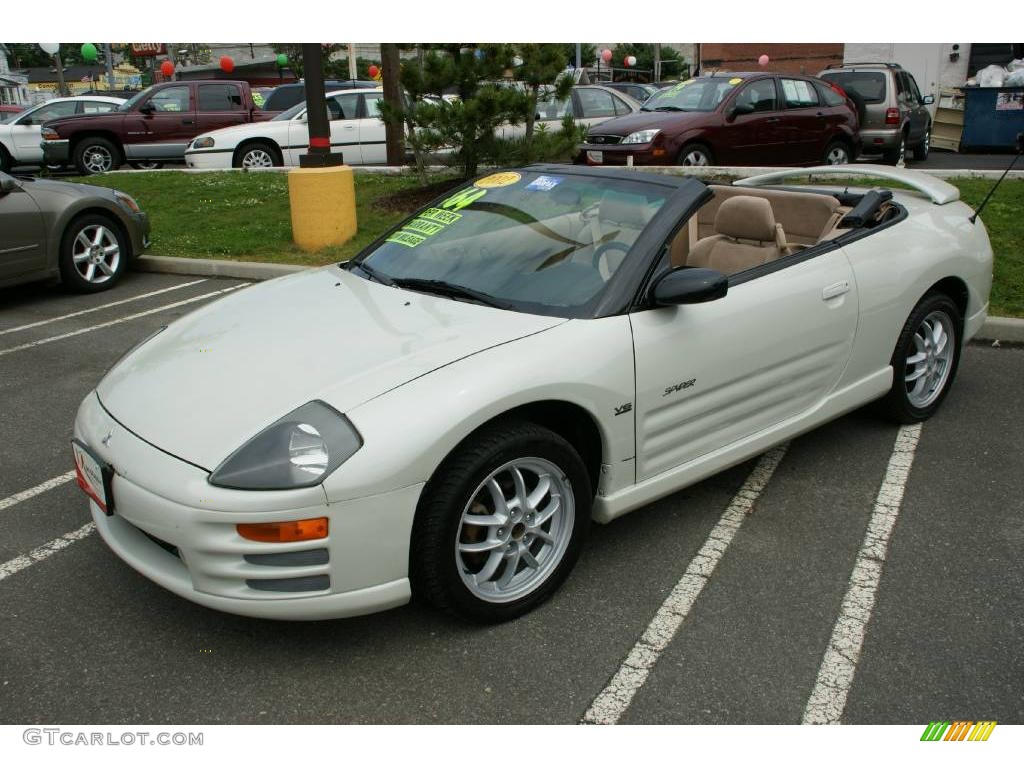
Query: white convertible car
point(356, 130)
point(445, 414)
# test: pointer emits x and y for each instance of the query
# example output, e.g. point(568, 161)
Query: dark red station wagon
point(733, 118)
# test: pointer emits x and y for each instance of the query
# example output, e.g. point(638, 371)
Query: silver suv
point(893, 115)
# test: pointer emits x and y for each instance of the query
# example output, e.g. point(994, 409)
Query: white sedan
point(21, 137)
point(356, 130)
point(445, 414)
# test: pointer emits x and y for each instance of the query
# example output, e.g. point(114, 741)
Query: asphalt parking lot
point(87, 640)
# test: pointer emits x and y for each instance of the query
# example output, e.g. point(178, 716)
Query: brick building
point(793, 58)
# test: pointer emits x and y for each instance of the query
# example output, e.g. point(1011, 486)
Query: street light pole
point(107, 58)
point(319, 155)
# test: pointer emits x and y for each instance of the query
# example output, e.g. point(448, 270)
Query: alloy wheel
point(695, 157)
point(257, 158)
point(515, 530)
point(96, 253)
point(837, 156)
point(97, 159)
point(928, 367)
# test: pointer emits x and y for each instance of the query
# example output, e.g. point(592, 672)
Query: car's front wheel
point(97, 155)
point(695, 154)
point(94, 254)
point(922, 149)
point(257, 155)
point(925, 360)
point(501, 523)
point(837, 153)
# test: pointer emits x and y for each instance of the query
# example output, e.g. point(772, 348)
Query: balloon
point(167, 68)
point(517, 61)
point(88, 52)
point(50, 48)
point(606, 55)
point(763, 59)
point(630, 61)
point(282, 60)
point(374, 70)
point(227, 64)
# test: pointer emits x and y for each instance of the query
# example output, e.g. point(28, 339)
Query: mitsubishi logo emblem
point(106, 440)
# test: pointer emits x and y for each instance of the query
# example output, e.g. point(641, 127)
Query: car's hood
point(641, 121)
point(213, 379)
point(34, 184)
point(235, 133)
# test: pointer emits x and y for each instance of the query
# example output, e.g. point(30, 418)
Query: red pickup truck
point(152, 127)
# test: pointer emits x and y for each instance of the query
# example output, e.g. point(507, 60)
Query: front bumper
point(206, 159)
point(619, 154)
point(176, 529)
point(56, 152)
point(138, 230)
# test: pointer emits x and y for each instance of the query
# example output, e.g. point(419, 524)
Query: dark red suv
point(735, 118)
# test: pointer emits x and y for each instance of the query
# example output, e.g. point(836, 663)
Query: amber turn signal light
point(292, 530)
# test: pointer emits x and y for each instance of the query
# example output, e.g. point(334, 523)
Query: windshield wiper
point(380, 277)
point(444, 288)
point(669, 108)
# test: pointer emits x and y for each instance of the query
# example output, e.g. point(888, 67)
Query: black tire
point(897, 404)
point(837, 146)
point(254, 147)
point(95, 154)
point(893, 156)
point(144, 166)
point(70, 275)
point(858, 105)
point(434, 566)
point(6, 163)
point(687, 154)
point(921, 150)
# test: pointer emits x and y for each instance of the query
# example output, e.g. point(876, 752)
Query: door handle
point(834, 290)
point(350, 127)
point(772, 120)
point(188, 122)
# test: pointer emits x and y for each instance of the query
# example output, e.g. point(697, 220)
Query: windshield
point(291, 112)
point(128, 105)
point(700, 95)
point(545, 243)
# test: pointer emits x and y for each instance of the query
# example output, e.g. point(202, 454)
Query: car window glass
point(95, 107)
point(173, 99)
point(830, 96)
point(915, 94)
point(901, 84)
point(343, 107)
point(595, 103)
point(372, 102)
point(870, 86)
point(551, 108)
point(621, 107)
point(51, 112)
point(760, 95)
point(219, 98)
point(798, 93)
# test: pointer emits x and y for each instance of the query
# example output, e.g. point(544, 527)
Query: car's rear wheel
point(925, 360)
point(96, 155)
point(695, 154)
point(837, 153)
point(94, 254)
point(922, 149)
point(258, 154)
point(897, 154)
point(501, 524)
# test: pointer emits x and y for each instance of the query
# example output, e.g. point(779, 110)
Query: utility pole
point(657, 62)
point(579, 56)
point(108, 60)
point(319, 155)
point(352, 72)
point(62, 87)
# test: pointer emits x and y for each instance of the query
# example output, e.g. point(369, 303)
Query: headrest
point(745, 217)
point(624, 210)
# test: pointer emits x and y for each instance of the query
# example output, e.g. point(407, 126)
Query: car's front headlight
point(127, 201)
point(297, 451)
point(203, 142)
point(48, 134)
point(641, 137)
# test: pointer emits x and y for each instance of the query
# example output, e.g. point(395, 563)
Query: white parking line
point(10, 501)
point(21, 562)
point(612, 702)
point(835, 677)
point(101, 306)
point(109, 323)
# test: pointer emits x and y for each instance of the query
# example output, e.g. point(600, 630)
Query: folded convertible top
point(937, 190)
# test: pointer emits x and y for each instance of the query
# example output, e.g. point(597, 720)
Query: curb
point(1009, 329)
point(244, 270)
point(995, 328)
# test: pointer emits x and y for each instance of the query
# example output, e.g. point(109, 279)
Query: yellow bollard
point(323, 203)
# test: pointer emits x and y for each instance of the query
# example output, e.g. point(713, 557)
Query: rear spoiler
point(936, 190)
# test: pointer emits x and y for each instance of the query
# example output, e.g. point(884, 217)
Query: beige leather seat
point(805, 216)
point(746, 236)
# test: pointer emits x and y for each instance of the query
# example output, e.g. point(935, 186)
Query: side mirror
point(7, 184)
point(690, 285)
point(147, 109)
point(740, 109)
point(929, 99)
point(25, 121)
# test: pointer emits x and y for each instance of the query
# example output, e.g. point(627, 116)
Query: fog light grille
point(305, 557)
point(300, 584)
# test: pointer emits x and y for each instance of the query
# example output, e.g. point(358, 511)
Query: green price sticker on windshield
point(408, 239)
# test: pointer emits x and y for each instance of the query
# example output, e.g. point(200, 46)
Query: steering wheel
point(601, 262)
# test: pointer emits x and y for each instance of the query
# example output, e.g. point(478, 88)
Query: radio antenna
point(1020, 151)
